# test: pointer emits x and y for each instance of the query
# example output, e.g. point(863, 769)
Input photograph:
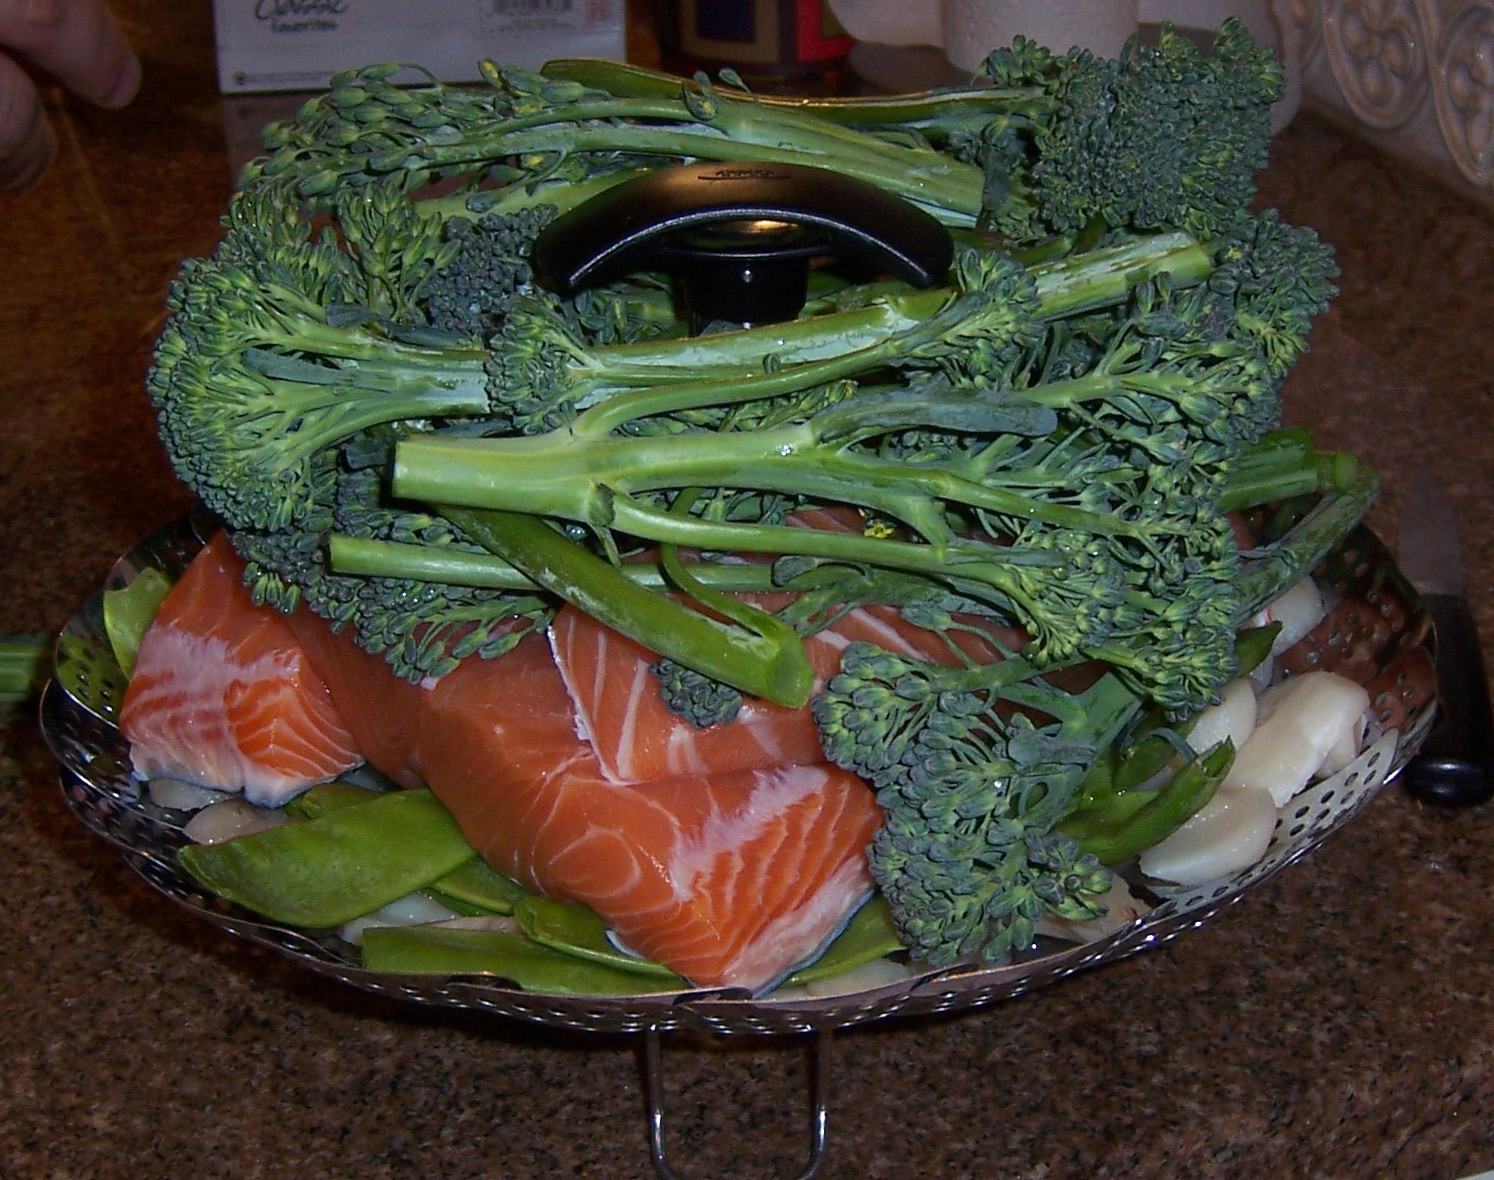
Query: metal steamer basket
point(80, 702)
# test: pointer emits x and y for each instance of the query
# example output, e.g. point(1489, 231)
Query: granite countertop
point(1337, 1023)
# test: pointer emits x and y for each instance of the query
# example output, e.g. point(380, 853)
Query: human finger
point(27, 142)
point(77, 42)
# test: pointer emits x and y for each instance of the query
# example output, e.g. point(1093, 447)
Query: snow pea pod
point(1166, 809)
point(323, 798)
point(508, 954)
point(129, 611)
point(1103, 800)
point(562, 947)
point(869, 935)
point(480, 888)
point(25, 662)
point(342, 865)
point(475, 887)
point(575, 929)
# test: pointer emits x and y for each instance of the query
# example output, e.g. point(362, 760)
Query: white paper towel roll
point(973, 28)
point(892, 22)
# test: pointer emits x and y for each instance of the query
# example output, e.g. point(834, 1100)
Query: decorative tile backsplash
point(1416, 76)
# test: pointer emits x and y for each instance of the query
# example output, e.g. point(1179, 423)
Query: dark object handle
point(1452, 768)
point(740, 236)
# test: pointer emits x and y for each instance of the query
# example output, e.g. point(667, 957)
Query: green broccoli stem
point(973, 560)
point(279, 316)
point(770, 665)
point(980, 569)
point(306, 418)
point(1268, 573)
point(579, 474)
point(425, 378)
point(1106, 275)
point(1099, 714)
point(943, 108)
point(1283, 464)
point(562, 194)
point(671, 127)
point(1066, 286)
point(371, 558)
point(24, 663)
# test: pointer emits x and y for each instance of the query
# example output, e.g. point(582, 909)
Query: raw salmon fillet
point(619, 708)
point(726, 878)
point(222, 693)
point(382, 711)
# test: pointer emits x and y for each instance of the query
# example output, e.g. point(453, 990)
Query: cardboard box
point(274, 45)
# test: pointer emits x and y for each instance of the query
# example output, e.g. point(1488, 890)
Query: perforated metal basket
point(79, 704)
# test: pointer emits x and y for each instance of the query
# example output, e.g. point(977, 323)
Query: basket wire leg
point(818, 1052)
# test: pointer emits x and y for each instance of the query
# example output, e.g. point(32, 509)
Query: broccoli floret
point(292, 357)
point(1163, 136)
point(698, 699)
point(1271, 281)
point(284, 343)
point(973, 767)
point(470, 295)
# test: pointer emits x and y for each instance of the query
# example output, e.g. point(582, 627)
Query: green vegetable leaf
point(128, 612)
point(342, 865)
point(507, 954)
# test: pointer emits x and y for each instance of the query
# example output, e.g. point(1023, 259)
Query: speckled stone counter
point(1337, 1024)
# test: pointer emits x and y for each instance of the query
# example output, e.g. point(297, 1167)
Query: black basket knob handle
point(740, 236)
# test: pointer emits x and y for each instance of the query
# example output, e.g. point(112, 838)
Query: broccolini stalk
point(1286, 464)
point(973, 104)
point(424, 132)
point(1283, 465)
point(582, 474)
point(543, 373)
point(1269, 572)
point(1162, 135)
